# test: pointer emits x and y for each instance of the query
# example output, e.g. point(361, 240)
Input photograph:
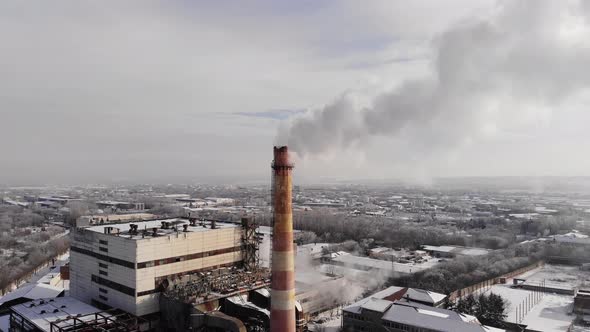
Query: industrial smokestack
point(282, 303)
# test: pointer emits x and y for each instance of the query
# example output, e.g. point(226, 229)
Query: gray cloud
point(150, 90)
point(278, 114)
point(489, 76)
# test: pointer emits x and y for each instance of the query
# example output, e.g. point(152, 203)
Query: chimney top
point(281, 157)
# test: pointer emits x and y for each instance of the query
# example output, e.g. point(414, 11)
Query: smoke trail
point(489, 76)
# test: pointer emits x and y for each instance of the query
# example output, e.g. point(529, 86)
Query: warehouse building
point(378, 313)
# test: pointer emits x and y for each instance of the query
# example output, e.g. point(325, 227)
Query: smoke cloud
point(489, 77)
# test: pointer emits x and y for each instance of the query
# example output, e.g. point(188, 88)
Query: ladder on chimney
point(272, 217)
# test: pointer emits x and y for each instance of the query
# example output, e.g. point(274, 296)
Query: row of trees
point(26, 242)
point(14, 268)
point(336, 227)
point(466, 271)
point(488, 309)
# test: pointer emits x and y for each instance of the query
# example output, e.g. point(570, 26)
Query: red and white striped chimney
point(282, 301)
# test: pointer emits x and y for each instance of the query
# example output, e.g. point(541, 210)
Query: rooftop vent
point(55, 310)
point(111, 230)
point(185, 228)
point(43, 312)
point(213, 224)
point(155, 231)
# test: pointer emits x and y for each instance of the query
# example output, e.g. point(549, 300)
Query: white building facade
point(126, 265)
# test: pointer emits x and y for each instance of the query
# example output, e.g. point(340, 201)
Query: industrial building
point(582, 302)
point(222, 300)
point(27, 293)
point(121, 206)
point(376, 266)
point(383, 312)
point(90, 220)
point(453, 251)
point(63, 314)
point(421, 296)
point(127, 265)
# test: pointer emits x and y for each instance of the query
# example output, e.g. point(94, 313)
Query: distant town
point(368, 258)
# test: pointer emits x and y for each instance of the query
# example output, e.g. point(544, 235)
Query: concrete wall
point(82, 267)
point(137, 250)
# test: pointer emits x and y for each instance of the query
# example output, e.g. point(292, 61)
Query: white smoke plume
point(490, 76)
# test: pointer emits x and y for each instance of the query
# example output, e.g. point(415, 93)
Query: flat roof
point(459, 250)
point(123, 228)
point(42, 313)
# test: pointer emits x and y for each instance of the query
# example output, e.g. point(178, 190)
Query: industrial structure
point(63, 314)
point(127, 265)
point(400, 309)
point(282, 313)
point(582, 302)
point(192, 273)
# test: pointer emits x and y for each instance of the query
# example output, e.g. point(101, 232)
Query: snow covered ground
point(557, 276)
point(549, 312)
point(553, 313)
point(331, 323)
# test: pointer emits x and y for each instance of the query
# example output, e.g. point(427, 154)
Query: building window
point(102, 297)
point(104, 242)
point(104, 273)
point(102, 290)
point(103, 249)
point(103, 265)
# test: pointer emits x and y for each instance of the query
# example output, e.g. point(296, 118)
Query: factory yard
point(553, 313)
point(557, 277)
point(542, 311)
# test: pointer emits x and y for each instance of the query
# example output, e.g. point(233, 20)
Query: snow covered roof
point(32, 292)
point(423, 316)
point(416, 314)
point(412, 294)
point(458, 250)
point(378, 305)
point(42, 313)
point(150, 224)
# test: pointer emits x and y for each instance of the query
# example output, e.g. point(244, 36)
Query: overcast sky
point(95, 91)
